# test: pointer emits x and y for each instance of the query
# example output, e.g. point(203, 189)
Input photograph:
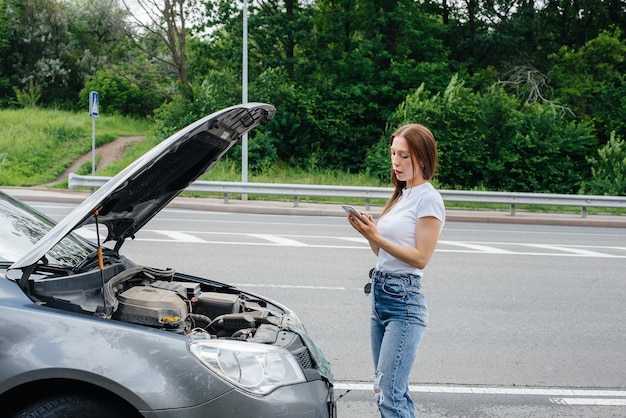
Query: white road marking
point(580, 397)
point(578, 251)
point(477, 247)
point(87, 233)
point(558, 250)
point(280, 240)
point(286, 240)
point(355, 239)
point(482, 390)
point(589, 401)
point(180, 236)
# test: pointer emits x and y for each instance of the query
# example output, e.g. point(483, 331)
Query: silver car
point(85, 332)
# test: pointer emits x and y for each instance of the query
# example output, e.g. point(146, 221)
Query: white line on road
point(180, 236)
point(444, 246)
point(477, 247)
point(483, 390)
point(577, 251)
point(279, 240)
point(355, 239)
point(589, 401)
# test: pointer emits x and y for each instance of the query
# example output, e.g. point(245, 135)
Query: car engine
point(172, 302)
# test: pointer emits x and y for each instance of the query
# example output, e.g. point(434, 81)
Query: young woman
point(404, 240)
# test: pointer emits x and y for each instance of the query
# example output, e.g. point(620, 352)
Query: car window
point(21, 227)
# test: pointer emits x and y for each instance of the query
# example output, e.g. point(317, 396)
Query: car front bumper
point(311, 399)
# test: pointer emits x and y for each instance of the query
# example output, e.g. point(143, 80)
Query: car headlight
point(253, 367)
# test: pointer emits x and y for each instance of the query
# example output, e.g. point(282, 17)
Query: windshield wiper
point(92, 260)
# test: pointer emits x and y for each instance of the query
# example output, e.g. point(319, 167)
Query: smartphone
point(352, 209)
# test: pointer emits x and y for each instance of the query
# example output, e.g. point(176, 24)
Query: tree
point(56, 44)
point(164, 22)
point(369, 55)
point(5, 45)
point(573, 24)
point(40, 47)
point(591, 81)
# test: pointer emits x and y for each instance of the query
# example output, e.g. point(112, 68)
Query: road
point(525, 320)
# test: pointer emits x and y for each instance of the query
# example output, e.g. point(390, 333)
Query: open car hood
point(134, 196)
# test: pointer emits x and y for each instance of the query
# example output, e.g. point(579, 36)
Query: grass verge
point(37, 145)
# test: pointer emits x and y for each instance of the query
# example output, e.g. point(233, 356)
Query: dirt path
point(108, 153)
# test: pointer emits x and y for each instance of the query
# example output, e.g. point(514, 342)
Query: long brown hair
point(423, 151)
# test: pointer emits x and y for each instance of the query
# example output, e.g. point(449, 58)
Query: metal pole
point(93, 148)
point(244, 97)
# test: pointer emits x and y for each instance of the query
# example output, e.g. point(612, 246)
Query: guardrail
point(369, 193)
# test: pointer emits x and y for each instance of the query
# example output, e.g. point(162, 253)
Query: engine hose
point(199, 320)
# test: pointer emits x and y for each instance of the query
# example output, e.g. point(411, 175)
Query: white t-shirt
point(398, 225)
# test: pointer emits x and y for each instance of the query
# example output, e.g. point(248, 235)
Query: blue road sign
point(93, 104)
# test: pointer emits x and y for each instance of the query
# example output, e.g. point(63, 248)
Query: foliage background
point(521, 95)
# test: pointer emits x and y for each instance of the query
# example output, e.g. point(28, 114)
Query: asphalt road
point(525, 320)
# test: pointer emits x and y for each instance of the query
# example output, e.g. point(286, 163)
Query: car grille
point(304, 358)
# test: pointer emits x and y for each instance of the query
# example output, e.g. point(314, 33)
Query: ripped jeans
point(398, 321)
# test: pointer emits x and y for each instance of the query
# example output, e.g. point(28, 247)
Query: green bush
point(261, 154)
point(29, 96)
point(608, 169)
point(117, 95)
point(485, 141)
point(214, 92)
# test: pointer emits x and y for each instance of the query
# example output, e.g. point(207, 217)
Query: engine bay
point(173, 302)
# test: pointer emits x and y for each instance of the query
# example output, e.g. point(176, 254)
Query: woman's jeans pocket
point(396, 298)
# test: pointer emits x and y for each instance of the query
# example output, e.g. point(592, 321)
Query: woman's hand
point(360, 224)
point(365, 227)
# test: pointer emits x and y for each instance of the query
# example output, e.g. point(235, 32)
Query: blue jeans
point(398, 321)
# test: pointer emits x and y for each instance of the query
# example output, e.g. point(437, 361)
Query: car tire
point(75, 406)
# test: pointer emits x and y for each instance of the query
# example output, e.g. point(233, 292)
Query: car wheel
point(75, 406)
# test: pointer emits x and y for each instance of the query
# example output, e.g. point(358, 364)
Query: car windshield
point(21, 227)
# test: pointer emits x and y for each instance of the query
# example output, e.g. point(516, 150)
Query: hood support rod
point(100, 261)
